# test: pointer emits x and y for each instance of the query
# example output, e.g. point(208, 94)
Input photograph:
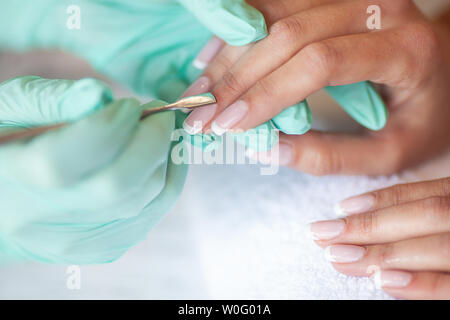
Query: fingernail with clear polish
point(208, 53)
point(286, 154)
point(229, 117)
point(198, 118)
point(344, 253)
point(284, 157)
point(200, 86)
point(392, 279)
point(326, 230)
point(355, 205)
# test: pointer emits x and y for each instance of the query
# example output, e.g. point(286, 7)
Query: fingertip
point(328, 255)
point(310, 235)
point(200, 65)
point(217, 129)
point(392, 279)
point(339, 211)
point(191, 130)
point(376, 278)
point(208, 53)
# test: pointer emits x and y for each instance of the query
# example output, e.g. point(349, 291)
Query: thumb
point(33, 101)
point(234, 21)
point(62, 157)
point(330, 153)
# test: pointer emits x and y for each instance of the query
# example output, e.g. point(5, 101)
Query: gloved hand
point(87, 192)
point(150, 45)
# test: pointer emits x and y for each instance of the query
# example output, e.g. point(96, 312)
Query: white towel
point(250, 230)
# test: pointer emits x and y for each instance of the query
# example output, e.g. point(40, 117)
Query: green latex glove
point(362, 102)
point(88, 192)
point(150, 45)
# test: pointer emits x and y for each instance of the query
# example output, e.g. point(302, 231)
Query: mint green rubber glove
point(88, 192)
point(150, 45)
point(147, 45)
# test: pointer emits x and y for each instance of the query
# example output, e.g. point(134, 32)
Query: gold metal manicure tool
point(185, 104)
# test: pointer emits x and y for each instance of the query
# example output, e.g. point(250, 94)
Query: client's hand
point(314, 44)
point(400, 234)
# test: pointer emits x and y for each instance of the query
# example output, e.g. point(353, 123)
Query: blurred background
point(233, 234)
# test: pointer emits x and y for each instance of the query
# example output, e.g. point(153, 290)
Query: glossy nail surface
point(200, 86)
point(198, 118)
point(286, 154)
point(282, 155)
point(355, 205)
point(344, 253)
point(392, 279)
point(230, 117)
point(208, 53)
point(326, 230)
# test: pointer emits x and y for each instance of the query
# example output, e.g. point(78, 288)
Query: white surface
point(250, 231)
point(233, 234)
point(251, 234)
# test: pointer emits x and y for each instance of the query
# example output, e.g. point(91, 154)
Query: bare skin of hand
point(399, 235)
point(317, 43)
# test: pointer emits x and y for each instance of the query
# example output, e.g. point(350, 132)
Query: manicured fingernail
point(392, 279)
point(200, 86)
point(326, 230)
point(284, 156)
point(355, 205)
point(229, 117)
point(208, 53)
point(344, 253)
point(199, 118)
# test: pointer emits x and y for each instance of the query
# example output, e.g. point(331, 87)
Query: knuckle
point(438, 285)
point(231, 83)
point(364, 224)
point(321, 57)
point(386, 253)
point(397, 193)
point(222, 63)
point(288, 29)
point(266, 88)
point(436, 208)
point(444, 186)
point(392, 195)
point(444, 246)
point(424, 45)
point(426, 38)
